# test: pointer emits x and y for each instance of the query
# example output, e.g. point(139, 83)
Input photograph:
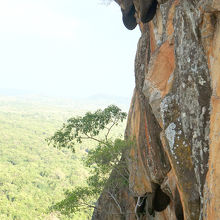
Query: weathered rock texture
point(174, 116)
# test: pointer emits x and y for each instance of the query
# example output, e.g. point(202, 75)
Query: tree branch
point(136, 207)
point(95, 139)
point(117, 203)
point(109, 129)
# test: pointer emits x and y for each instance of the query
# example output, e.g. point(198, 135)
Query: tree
point(101, 160)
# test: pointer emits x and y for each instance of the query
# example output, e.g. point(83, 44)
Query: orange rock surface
point(174, 165)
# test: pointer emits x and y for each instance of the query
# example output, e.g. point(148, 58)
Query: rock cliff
point(174, 166)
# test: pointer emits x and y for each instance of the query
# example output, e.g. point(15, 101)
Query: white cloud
point(23, 18)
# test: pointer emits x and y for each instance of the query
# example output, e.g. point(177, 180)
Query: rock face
point(174, 166)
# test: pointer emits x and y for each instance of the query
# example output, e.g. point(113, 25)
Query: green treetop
point(104, 158)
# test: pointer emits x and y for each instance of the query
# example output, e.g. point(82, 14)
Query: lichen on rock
point(174, 115)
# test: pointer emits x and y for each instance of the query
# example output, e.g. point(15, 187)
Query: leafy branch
point(101, 160)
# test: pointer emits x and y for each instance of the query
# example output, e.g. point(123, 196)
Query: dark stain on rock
point(161, 200)
point(178, 206)
point(129, 19)
point(147, 10)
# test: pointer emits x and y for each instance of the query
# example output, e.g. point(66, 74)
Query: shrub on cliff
point(101, 160)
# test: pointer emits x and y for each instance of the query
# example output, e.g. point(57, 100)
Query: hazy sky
point(66, 47)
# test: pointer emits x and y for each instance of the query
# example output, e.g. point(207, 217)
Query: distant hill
point(90, 102)
point(110, 98)
point(15, 92)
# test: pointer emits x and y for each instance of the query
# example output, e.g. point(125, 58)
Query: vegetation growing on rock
point(101, 160)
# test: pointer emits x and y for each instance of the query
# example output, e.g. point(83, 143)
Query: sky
point(66, 47)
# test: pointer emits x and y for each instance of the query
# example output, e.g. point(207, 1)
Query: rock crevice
point(174, 117)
